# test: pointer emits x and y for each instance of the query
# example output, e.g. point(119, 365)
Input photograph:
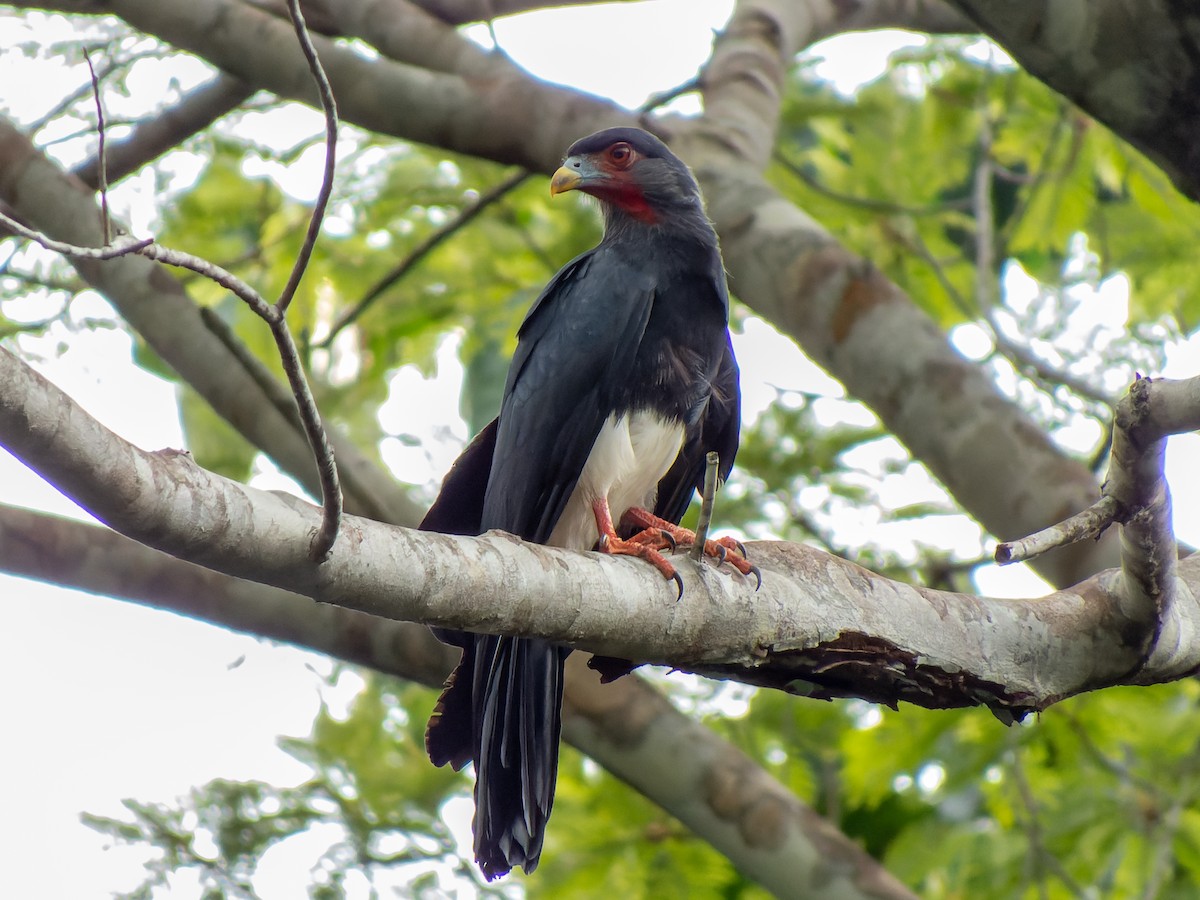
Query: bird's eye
point(621, 154)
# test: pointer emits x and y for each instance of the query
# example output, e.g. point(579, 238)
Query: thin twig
point(122, 246)
point(310, 416)
point(101, 159)
point(1090, 523)
point(1041, 173)
point(1042, 858)
point(1118, 769)
point(329, 107)
point(426, 246)
point(1022, 359)
point(272, 388)
point(868, 203)
point(110, 68)
point(314, 430)
point(215, 273)
point(152, 137)
point(1027, 363)
point(981, 201)
point(712, 460)
point(662, 98)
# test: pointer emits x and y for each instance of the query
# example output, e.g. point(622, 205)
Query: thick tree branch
point(627, 726)
point(1134, 66)
point(929, 16)
point(820, 626)
point(404, 32)
point(463, 12)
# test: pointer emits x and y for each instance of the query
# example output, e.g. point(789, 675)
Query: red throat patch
point(630, 200)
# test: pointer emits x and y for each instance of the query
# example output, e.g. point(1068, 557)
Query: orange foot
point(645, 545)
point(672, 535)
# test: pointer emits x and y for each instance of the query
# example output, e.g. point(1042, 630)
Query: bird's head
point(632, 173)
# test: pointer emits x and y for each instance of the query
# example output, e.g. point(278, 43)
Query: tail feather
point(502, 708)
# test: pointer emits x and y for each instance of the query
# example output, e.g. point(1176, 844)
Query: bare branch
point(209, 270)
point(329, 108)
point(123, 246)
point(929, 16)
point(1136, 494)
point(1086, 525)
point(627, 726)
point(404, 32)
point(423, 248)
point(101, 156)
point(314, 430)
point(869, 203)
point(707, 498)
point(1137, 481)
point(310, 417)
point(821, 626)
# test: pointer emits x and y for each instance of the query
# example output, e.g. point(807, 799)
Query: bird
point(623, 379)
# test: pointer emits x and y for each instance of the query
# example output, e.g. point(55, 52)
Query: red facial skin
point(621, 188)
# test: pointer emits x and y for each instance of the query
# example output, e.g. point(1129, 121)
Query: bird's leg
point(644, 546)
point(636, 517)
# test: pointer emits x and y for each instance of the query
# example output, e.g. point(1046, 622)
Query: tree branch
point(820, 626)
point(423, 248)
point(1136, 494)
point(626, 726)
point(1082, 50)
point(929, 16)
point(463, 12)
point(273, 315)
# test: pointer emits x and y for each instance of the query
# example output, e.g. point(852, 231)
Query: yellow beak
point(564, 180)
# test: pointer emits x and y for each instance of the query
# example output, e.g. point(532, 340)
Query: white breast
point(631, 454)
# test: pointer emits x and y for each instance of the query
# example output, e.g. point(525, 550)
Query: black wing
point(717, 430)
point(458, 508)
point(579, 339)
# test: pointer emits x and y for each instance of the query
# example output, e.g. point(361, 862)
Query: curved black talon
point(679, 584)
point(669, 538)
point(758, 575)
point(721, 554)
point(741, 548)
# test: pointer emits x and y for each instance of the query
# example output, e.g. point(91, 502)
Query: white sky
point(108, 700)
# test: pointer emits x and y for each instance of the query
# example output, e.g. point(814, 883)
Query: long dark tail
point(502, 709)
point(502, 706)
